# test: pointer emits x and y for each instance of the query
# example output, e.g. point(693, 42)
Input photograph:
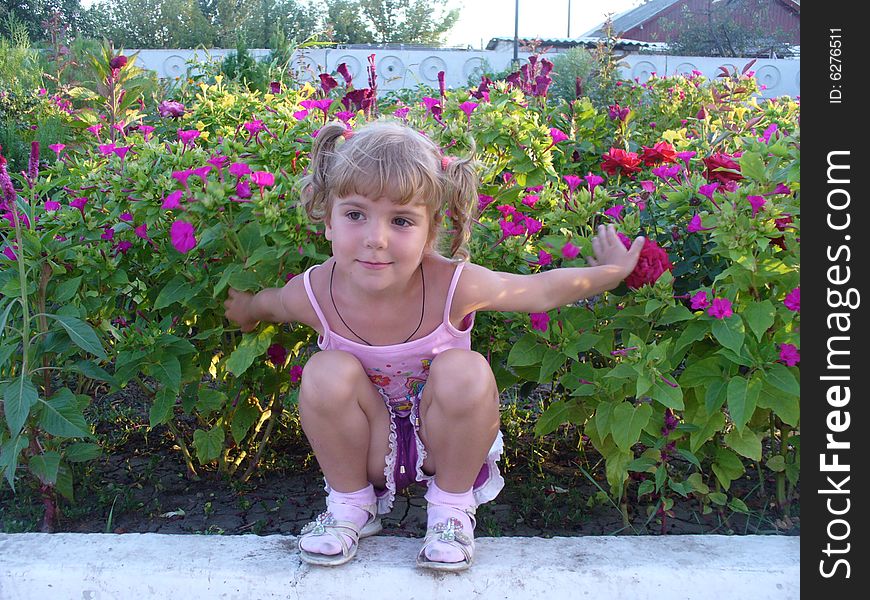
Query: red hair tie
point(347, 134)
point(445, 162)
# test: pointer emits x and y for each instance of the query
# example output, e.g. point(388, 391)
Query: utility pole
point(569, 18)
point(516, 61)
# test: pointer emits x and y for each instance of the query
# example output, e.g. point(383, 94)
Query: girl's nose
point(376, 236)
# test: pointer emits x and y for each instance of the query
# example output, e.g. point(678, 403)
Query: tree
point(408, 21)
point(344, 23)
point(150, 23)
point(726, 28)
point(34, 12)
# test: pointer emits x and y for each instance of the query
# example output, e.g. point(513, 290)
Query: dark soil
point(554, 487)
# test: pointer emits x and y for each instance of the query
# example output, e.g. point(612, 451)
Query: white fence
point(398, 69)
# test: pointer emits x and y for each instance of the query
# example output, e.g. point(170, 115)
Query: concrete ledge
point(102, 567)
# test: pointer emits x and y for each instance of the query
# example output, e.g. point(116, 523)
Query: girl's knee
point(462, 378)
point(330, 376)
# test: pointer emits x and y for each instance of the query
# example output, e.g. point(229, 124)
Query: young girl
point(396, 395)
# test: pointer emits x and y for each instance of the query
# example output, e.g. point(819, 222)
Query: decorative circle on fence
point(305, 67)
point(353, 65)
point(174, 66)
point(472, 65)
point(430, 66)
point(685, 68)
point(643, 70)
point(768, 75)
point(731, 68)
point(391, 68)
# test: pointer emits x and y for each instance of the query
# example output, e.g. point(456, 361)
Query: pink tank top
point(399, 370)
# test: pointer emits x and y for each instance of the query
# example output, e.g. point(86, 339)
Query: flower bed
point(120, 244)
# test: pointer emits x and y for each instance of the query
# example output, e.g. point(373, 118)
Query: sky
point(481, 20)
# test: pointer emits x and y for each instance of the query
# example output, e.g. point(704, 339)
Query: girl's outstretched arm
point(483, 289)
point(273, 305)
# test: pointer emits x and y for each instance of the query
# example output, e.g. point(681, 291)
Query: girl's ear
point(328, 231)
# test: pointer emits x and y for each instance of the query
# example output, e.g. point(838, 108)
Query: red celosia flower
point(661, 152)
point(618, 160)
point(540, 321)
point(653, 261)
point(277, 354)
point(718, 161)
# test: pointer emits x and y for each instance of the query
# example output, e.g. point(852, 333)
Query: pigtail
point(461, 182)
point(315, 184)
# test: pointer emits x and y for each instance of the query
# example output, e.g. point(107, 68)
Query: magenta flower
point(126, 217)
point(708, 189)
point(263, 179)
point(686, 156)
point(169, 108)
point(122, 247)
point(51, 205)
point(512, 228)
point(530, 200)
point(108, 234)
point(793, 300)
point(721, 308)
point(532, 225)
point(648, 186)
point(592, 181)
point(540, 321)
point(544, 258)
point(277, 354)
point(757, 203)
point(243, 189)
point(402, 112)
point(95, 129)
point(146, 130)
point(696, 225)
point(121, 151)
point(557, 135)
point(254, 127)
point(345, 116)
point(202, 172)
point(699, 301)
point(182, 176)
point(768, 133)
point(295, 373)
point(182, 235)
point(142, 231)
point(788, 354)
point(468, 108)
point(570, 251)
point(615, 212)
point(79, 203)
point(187, 135)
point(573, 181)
point(781, 188)
point(300, 114)
point(9, 253)
point(483, 201)
point(57, 148)
point(238, 169)
point(345, 73)
point(275, 87)
point(106, 149)
point(172, 200)
point(664, 172)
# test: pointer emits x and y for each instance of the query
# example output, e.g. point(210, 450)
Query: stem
point(45, 276)
point(22, 279)
point(188, 460)
point(781, 497)
point(274, 412)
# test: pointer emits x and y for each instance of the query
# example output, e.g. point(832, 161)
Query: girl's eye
point(402, 222)
point(354, 215)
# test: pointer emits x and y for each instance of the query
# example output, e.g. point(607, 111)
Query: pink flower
point(530, 200)
point(172, 200)
point(721, 308)
point(468, 108)
point(146, 130)
point(699, 301)
point(238, 169)
point(95, 129)
point(51, 205)
point(653, 261)
point(182, 176)
point(300, 114)
point(757, 203)
point(57, 148)
point(664, 173)
point(106, 149)
point(202, 172)
point(615, 212)
point(295, 373)
point(277, 355)
point(79, 203)
point(402, 112)
point(9, 253)
point(540, 321)
point(263, 179)
point(254, 127)
point(243, 189)
point(122, 247)
point(592, 181)
point(533, 225)
point(108, 234)
point(696, 225)
point(573, 181)
point(483, 201)
point(187, 135)
point(793, 300)
point(570, 251)
point(142, 231)
point(708, 189)
point(126, 217)
point(544, 258)
point(648, 186)
point(788, 353)
point(121, 151)
point(169, 108)
point(345, 116)
point(182, 235)
point(557, 135)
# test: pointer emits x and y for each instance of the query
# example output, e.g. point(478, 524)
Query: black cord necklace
point(422, 308)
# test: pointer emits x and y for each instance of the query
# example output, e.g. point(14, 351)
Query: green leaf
point(552, 362)
point(247, 413)
point(786, 406)
point(208, 444)
point(718, 498)
point(730, 332)
point(164, 403)
point(45, 466)
point(752, 166)
point(780, 377)
point(253, 344)
point(627, 422)
point(9, 454)
point(61, 416)
point(527, 351)
point(602, 417)
point(689, 457)
point(672, 397)
point(747, 443)
point(675, 314)
point(714, 423)
point(81, 334)
point(760, 316)
point(210, 400)
point(583, 343)
point(693, 332)
point(567, 411)
point(701, 373)
point(776, 463)
point(19, 396)
point(714, 396)
point(178, 289)
point(65, 290)
point(5, 353)
point(738, 505)
point(92, 370)
point(82, 452)
point(742, 399)
point(697, 482)
point(167, 370)
point(727, 467)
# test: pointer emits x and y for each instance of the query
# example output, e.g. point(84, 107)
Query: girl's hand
point(237, 306)
point(610, 251)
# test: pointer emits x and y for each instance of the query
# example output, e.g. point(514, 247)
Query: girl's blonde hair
point(388, 159)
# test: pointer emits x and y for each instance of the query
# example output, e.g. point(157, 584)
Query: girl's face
point(378, 243)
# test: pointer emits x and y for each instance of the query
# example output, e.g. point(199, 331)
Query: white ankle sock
point(344, 507)
point(442, 506)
